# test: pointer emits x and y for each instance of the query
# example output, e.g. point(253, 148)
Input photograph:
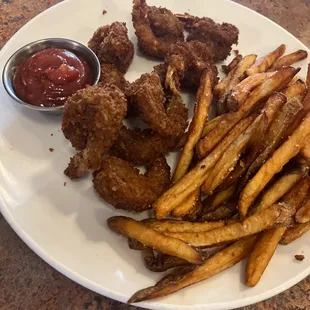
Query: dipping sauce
point(50, 76)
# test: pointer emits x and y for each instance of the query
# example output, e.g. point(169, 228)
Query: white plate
point(66, 226)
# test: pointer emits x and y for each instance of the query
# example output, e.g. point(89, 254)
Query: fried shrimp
point(156, 28)
point(219, 37)
point(120, 184)
point(141, 147)
point(185, 62)
point(111, 75)
point(91, 121)
point(148, 96)
point(112, 45)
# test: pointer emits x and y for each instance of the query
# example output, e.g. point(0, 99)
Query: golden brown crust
point(111, 75)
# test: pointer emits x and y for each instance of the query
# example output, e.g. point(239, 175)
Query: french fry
point(188, 204)
point(181, 226)
point(276, 214)
point(237, 75)
point(220, 261)
point(306, 102)
point(201, 112)
point(303, 214)
point(292, 234)
point(130, 228)
point(230, 158)
point(265, 62)
point(276, 82)
point(221, 86)
point(194, 178)
point(242, 90)
point(279, 158)
point(262, 254)
point(222, 212)
point(222, 196)
point(212, 124)
point(232, 64)
point(278, 131)
point(305, 151)
point(288, 60)
point(297, 89)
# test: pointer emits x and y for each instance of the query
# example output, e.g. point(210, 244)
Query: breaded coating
point(141, 147)
point(111, 75)
point(148, 96)
point(156, 28)
point(219, 37)
point(121, 185)
point(112, 45)
point(91, 121)
point(185, 62)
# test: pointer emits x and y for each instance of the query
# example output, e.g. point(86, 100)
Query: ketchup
point(49, 77)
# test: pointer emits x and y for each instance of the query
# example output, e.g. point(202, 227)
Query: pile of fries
point(251, 162)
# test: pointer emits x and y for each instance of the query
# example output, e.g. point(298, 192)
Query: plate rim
point(81, 280)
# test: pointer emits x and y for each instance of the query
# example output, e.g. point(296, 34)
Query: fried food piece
point(276, 82)
point(91, 121)
point(148, 95)
point(276, 214)
point(220, 197)
point(194, 178)
point(181, 226)
point(201, 112)
point(130, 228)
point(303, 214)
point(265, 62)
point(220, 261)
point(221, 212)
point(232, 64)
point(156, 29)
point(220, 37)
point(191, 203)
point(297, 89)
point(288, 60)
point(279, 158)
point(141, 147)
point(111, 75)
point(185, 63)
point(241, 91)
point(121, 185)
point(305, 151)
point(112, 45)
point(210, 125)
point(295, 232)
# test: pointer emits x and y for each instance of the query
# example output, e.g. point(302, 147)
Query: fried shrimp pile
point(141, 147)
point(156, 28)
point(112, 45)
point(120, 184)
point(185, 62)
point(219, 37)
point(148, 95)
point(91, 121)
point(111, 75)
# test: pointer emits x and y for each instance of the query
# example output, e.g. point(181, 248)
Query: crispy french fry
point(130, 228)
point(232, 64)
point(212, 124)
point(220, 261)
point(221, 86)
point(201, 112)
point(278, 131)
point(276, 82)
point(292, 234)
point(305, 151)
point(276, 214)
point(188, 204)
point(303, 214)
point(262, 254)
point(222, 212)
point(279, 158)
point(297, 89)
point(222, 196)
point(265, 62)
point(194, 178)
point(289, 59)
point(237, 75)
point(230, 158)
point(282, 186)
point(242, 90)
point(181, 226)
point(306, 102)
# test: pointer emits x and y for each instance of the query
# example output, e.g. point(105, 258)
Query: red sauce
point(50, 76)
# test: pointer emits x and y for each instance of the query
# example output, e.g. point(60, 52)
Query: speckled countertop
point(26, 281)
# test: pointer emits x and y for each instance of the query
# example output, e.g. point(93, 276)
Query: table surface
point(26, 281)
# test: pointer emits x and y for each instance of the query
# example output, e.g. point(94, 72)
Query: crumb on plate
point(300, 257)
